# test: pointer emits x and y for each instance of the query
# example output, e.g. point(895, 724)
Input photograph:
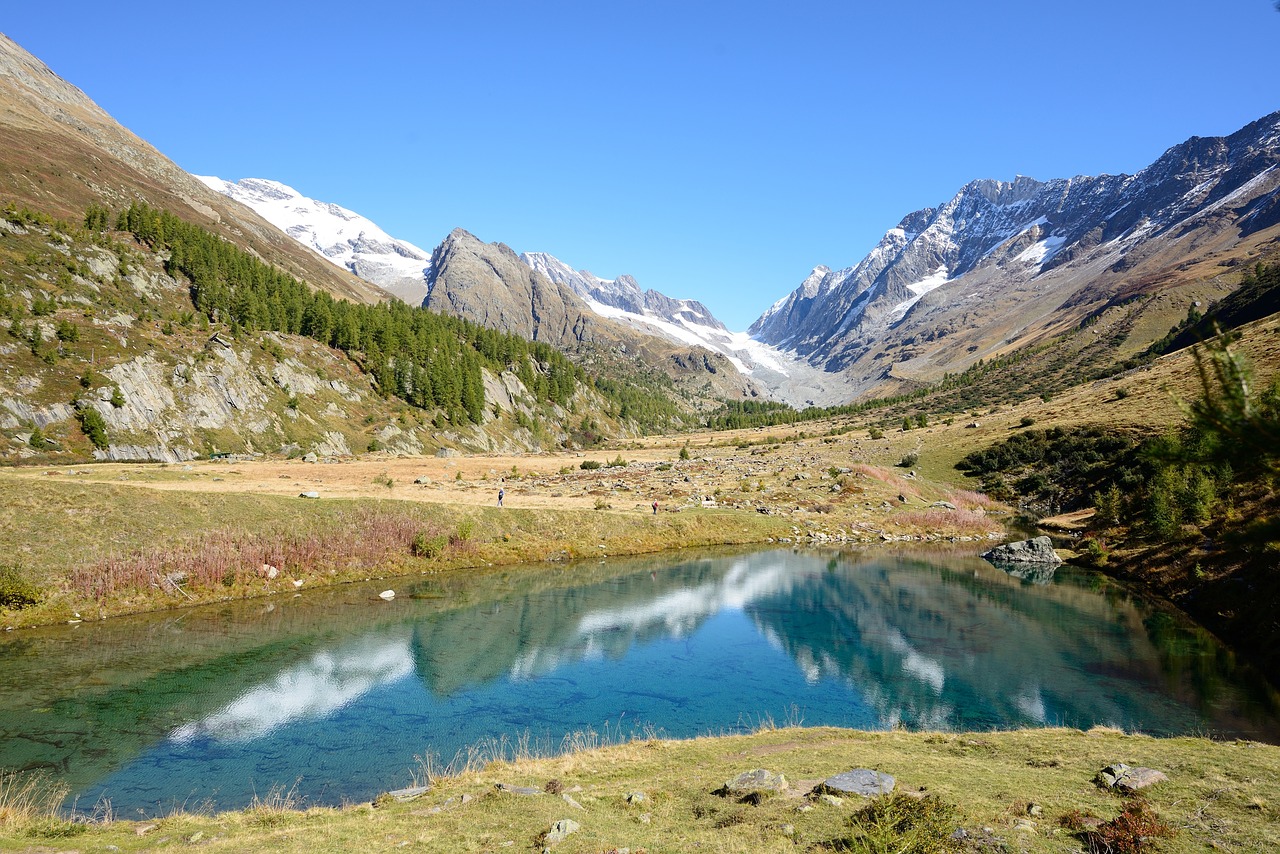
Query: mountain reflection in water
point(340, 694)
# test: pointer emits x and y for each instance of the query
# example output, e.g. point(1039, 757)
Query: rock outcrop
point(1038, 550)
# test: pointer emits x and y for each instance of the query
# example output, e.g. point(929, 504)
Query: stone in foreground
point(1036, 550)
point(859, 781)
point(757, 780)
point(1127, 779)
point(560, 831)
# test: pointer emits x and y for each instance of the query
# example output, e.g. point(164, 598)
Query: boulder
point(1128, 779)
point(560, 831)
point(859, 781)
point(751, 782)
point(1036, 550)
point(311, 494)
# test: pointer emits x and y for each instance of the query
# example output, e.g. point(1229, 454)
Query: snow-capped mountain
point(688, 321)
point(1004, 262)
point(346, 238)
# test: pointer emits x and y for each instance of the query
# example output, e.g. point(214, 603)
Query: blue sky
point(715, 150)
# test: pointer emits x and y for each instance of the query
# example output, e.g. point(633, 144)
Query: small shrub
point(16, 591)
point(94, 427)
point(117, 397)
point(1122, 393)
point(898, 823)
point(1027, 421)
point(875, 433)
point(374, 445)
point(589, 465)
point(1134, 831)
point(618, 462)
point(601, 504)
point(428, 545)
point(37, 440)
point(466, 530)
point(684, 452)
point(909, 460)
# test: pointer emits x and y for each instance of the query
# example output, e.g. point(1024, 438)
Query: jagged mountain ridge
point(346, 238)
point(1005, 263)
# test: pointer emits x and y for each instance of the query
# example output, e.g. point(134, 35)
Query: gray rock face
point(489, 284)
point(1038, 550)
point(859, 781)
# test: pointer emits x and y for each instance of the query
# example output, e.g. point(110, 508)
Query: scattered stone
point(564, 796)
point(859, 781)
point(196, 837)
point(311, 458)
point(1036, 550)
point(447, 452)
point(788, 830)
point(422, 481)
point(636, 797)
point(753, 782)
point(945, 505)
point(517, 790)
point(645, 818)
point(831, 800)
point(409, 793)
point(1127, 779)
point(1035, 810)
point(268, 571)
point(144, 830)
point(1024, 825)
point(308, 494)
point(387, 595)
point(560, 831)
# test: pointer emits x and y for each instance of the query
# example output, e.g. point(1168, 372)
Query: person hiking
point(655, 507)
point(501, 493)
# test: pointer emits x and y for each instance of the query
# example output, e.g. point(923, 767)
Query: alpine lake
point(335, 695)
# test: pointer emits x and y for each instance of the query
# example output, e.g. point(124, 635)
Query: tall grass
point(29, 799)
point(355, 539)
point(949, 522)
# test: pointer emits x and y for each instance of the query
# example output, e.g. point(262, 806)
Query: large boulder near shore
point(1036, 550)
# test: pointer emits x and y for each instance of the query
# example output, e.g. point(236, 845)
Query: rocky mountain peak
point(1025, 250)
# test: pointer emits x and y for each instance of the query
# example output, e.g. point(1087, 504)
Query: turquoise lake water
point(334, 694)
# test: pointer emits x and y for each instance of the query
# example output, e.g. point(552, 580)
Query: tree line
point(429, 360)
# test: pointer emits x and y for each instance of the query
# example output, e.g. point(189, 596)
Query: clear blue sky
point(716, 150)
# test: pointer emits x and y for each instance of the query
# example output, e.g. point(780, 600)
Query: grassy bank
point(96, 542)
point(1029, 790)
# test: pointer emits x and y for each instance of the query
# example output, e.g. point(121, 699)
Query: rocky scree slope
point(1003, 264)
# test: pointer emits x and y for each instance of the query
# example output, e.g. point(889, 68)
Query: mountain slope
point(1003, 264)
point(488, 283)
point(62, 152)
point(346, 238)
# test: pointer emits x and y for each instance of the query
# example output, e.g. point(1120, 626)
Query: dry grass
point(1216, 797)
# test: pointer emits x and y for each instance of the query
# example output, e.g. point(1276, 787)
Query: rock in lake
point(859, 781)
point(1037, 550)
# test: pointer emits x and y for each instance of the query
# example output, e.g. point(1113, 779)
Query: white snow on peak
point(935, 280)
point(345, 238)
